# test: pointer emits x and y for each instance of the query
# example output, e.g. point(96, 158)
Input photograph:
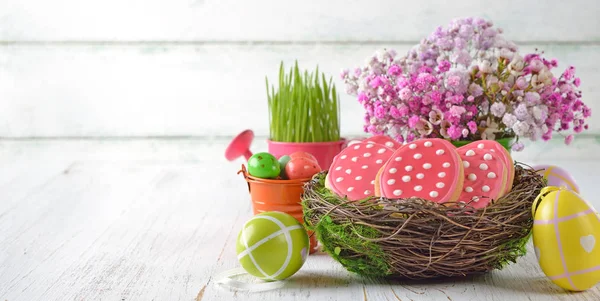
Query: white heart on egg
point(588, 243)
point(537, 253)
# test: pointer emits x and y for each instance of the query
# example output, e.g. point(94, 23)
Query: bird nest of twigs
point(416, 238)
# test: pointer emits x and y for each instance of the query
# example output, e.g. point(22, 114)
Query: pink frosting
point(353, 171)
point(385, 140)
point(485, 174)
point(426, 168)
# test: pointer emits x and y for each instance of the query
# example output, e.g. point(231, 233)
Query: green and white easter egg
point(272, 246)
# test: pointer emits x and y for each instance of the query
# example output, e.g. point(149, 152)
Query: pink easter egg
point(557, 176)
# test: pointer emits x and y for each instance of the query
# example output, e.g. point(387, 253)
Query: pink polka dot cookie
point(352, 173)
point(504, 155)
point(485, 174)
point(385, 140)
point(427, 168)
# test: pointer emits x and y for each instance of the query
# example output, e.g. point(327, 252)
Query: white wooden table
point(158, 219)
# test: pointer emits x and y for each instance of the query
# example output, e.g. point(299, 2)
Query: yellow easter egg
point(566, 238)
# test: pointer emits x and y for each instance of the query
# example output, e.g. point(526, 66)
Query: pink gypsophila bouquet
point(466, 82)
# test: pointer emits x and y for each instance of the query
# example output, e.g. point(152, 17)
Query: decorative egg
point(557, 176)
point(566, 238)
point(300, 154)
point(301, 168)
point(263, 165)
point(272, 246)
point(283, 161)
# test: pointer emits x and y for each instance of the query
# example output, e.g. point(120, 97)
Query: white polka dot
point(491, 175)
point(412, 146)
point(367, 155)
point(446, 164)
point(406, 178)
point(470, 153)
point(439, 152)
point(485, 188)
point(408, 168)
point(369, 145)
point(493, 151)
point(427, 165)
point(440, 185)
point(397, 192)
point(466, 164)
point(306, 167)
point(487, 157)
point(372, 182)
point(379, 161)
point(420, 176)
point(428, 144)
point(398, 159)
point(480, 146)
point(393, 170)
point(354, 159)
point(389, 144)
point(472, 177)
point(418, 188)
point(367, 192)
point(483, 166)
point(358, 178)
point(381, 151)
point(469, 189)
point(350, 189)
point(348, 171)
point(339, 179)
point(391, 182)
point(475, 199)
point(365, 167)
point(344, 157)
point(418, 156)
point(441, 174)
point(433, 194)
point(357, 146)
point(338, 168)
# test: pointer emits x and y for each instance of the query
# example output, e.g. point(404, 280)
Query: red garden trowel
point(240, 146)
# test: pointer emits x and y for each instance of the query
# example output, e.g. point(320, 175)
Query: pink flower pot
point(323, 151)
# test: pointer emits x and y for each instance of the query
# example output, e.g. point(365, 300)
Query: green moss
point(344, 240)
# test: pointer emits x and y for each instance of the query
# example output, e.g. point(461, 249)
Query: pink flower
point(395, 70)
point(413, 120)
point(379, 111)
point(395, 113)
point(444, 66)
point(577, 82)
point(472, 126)
point(444, 126)
point(436, 116)
point(569, 139)
point(362, 97)
point(457, 111)
point(405, 94)
point(424, 127)
point(453, 81)
point(454, 132)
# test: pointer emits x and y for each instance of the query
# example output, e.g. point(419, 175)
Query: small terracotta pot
point(278, 195)
point(323, 151)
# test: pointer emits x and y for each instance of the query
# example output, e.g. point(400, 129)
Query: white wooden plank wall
point(73, 68)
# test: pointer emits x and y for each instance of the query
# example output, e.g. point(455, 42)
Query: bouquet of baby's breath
point(466, 82)
point(304, 108)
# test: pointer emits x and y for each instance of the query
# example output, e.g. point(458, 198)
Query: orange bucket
point(278, 195)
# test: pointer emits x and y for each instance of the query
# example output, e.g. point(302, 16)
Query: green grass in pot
point(304, 108)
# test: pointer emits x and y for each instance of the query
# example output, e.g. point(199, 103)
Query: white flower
point(516, 65)
point(490, 132)
point(520, 128)
point(485, 66)
point(509, 120)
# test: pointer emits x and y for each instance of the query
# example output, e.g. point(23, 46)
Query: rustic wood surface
point(157, 220)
